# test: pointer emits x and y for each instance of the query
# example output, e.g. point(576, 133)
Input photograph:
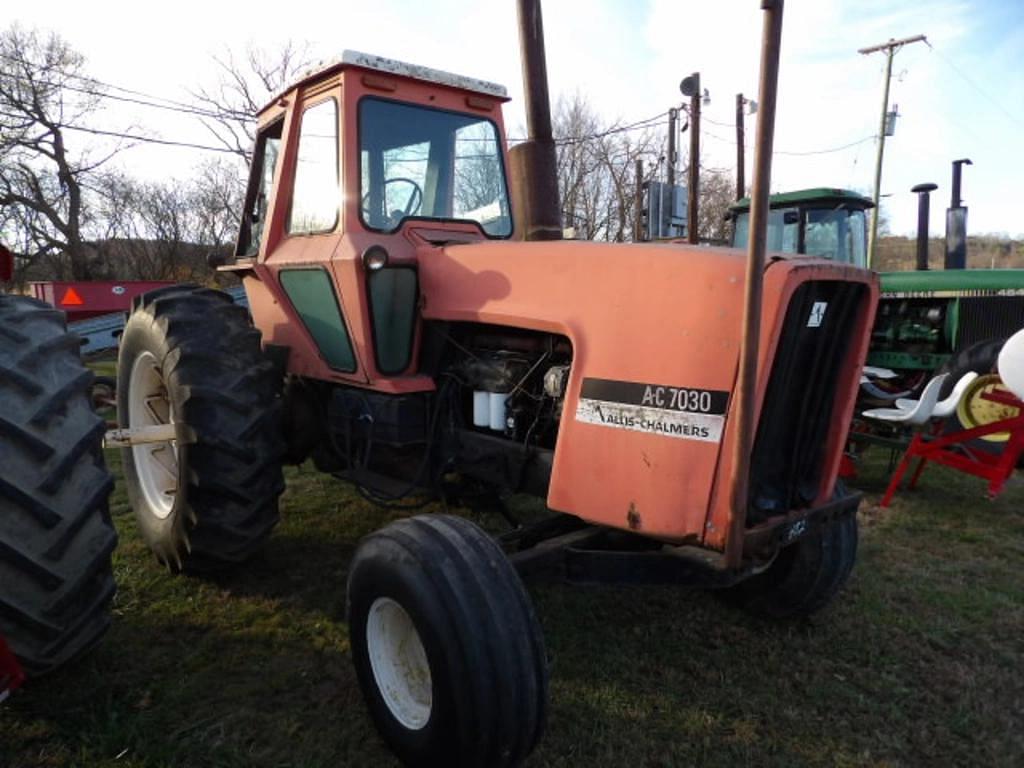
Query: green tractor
point(953, 320)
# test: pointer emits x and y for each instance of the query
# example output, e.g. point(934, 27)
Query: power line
point(826, 151)
point(130, 100)
point(640, 124)
point(169, 104)
point(804, 153)
point(975, 86)
point(149, 139)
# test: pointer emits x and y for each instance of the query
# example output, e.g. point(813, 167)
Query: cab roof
point(394, 67)
point(815, 195)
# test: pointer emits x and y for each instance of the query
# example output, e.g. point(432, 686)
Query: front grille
point(988, 317)
point(788, 455)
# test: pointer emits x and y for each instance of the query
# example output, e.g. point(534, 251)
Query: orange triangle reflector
point(71, 299)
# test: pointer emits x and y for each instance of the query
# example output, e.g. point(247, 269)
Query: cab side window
point(315, 197)
point(261, 181)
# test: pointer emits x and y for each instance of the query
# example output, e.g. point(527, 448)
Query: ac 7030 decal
point(687, 413)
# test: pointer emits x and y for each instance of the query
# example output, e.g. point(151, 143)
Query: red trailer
point(6, 264)
point(82, 300)
point(11, 674)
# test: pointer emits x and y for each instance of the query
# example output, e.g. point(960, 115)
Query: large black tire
point(56, 536)
point(482, 701)
point(980, 358)
point(804, 576)
point(199, 360)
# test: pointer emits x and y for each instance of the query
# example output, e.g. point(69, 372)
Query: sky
point(960, 96)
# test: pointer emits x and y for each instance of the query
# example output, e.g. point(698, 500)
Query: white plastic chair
point(916, 414)
point(944, 407)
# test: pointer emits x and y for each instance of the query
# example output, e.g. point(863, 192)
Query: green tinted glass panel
point(312, 295)
point(393, 303)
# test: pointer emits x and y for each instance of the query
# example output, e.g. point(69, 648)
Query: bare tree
point(596, 170)
point(717, 193)
point(43, 183)
point(216, 195)
point(246, 83)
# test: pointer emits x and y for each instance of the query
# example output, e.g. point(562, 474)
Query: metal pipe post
point(746, 387)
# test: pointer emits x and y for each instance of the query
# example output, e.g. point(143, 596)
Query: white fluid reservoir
point(481, 408)
point(498, 410)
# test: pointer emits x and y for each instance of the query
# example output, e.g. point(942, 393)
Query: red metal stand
point(11, 673)
point(951, 450)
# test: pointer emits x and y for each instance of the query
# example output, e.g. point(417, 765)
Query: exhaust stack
point(533, 163)
point(956, 222)
point(923, 193)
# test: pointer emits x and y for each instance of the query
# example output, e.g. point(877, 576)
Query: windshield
point(782, 230)
point(832, 233)
point(418, 161)
point(835, 234)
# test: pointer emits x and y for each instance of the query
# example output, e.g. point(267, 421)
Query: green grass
point(917, 663)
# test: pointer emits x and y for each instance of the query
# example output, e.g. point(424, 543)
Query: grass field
point(918, 662)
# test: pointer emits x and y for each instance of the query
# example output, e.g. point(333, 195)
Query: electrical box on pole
point(666, 211)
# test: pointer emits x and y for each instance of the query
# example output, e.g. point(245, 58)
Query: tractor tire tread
point(56, 534)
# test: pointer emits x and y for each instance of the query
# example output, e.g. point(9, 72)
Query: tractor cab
point(829, 223)
point(373, 144)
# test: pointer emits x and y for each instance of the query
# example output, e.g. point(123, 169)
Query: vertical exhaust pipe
point(956, 222)
point(533, 165)
point(923, 194)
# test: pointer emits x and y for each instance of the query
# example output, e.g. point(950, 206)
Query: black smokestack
point(923, 192)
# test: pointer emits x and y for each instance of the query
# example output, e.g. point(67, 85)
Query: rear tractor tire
point(190, 357)
point(446, 646)
point(56, 536)
point(804, 576)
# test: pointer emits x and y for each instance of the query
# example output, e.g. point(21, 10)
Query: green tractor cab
point(825, 222)
point(925, 318)
point(928, 321)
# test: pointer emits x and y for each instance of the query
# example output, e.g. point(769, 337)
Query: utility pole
point(638, 202)
point(670, 174)
point(890, 49)
point(741, 184)
point(694, 178)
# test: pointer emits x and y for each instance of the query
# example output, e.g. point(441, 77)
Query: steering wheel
point(412, 204)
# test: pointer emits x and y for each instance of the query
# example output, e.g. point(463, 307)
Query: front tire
point(446, 646)
point(56, 535)
point(805, 576)
point(208, 499)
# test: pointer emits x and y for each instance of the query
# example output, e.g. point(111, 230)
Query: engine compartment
point(493, 416)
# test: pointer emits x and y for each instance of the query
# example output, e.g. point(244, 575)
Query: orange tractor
point(409, 335)
point(405, 338)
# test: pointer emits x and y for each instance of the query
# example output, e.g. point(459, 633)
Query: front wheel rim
point(399, 663)
point(156, 464)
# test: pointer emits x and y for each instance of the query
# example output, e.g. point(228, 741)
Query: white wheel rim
point(156, 464)
point(399, 663)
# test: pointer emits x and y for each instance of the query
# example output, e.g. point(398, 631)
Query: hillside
point(897, 254)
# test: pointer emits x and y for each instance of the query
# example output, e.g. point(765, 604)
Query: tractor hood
point(655, 329)
point(953, 282)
